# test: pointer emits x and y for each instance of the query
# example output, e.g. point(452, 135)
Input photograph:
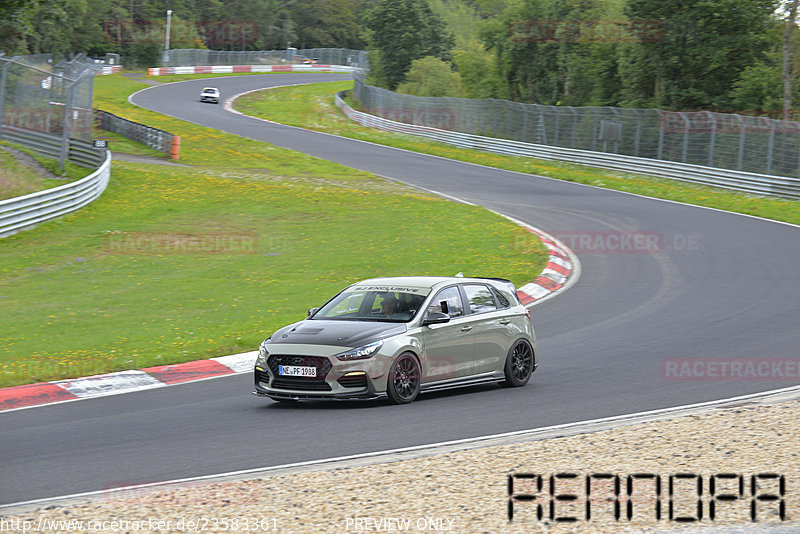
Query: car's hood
point(337, 333)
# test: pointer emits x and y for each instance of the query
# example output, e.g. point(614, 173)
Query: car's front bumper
point(333, 379)
point(260, 390)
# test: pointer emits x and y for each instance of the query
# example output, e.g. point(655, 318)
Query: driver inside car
point(388, 305)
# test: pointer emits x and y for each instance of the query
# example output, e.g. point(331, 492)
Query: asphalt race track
point(721, 286)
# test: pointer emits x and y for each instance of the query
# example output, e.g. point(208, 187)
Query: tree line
point(136, 28)
point(720, 55)
point(723, 55)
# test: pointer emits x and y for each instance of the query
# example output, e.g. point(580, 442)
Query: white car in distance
point(210, 94)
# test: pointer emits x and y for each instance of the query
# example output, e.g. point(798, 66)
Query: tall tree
point(786, 71)
point(402, 31)
point(704, 47)
point(326, 24)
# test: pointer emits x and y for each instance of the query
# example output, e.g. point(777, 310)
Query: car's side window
point(480, 298)
point(448, 301)
point(501, 299)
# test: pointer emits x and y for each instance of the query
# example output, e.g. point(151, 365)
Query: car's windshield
point(374, 303)
point(210, 90)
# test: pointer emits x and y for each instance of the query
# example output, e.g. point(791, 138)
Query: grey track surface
point(601, 342)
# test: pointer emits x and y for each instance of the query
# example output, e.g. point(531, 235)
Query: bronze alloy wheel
point(519, 364)
point(404, 379)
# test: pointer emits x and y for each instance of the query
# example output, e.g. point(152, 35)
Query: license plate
point(296, 370)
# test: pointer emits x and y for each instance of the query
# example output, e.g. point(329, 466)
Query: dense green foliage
point(722, 55)
point(430, 76)
point(402, 31)
point(136, 28)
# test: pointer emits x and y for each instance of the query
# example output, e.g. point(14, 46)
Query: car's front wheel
point(404, 379)
point(519, 364)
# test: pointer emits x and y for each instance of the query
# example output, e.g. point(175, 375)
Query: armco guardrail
point(760, 184)
point(80, 152)
point(23, 212)
point(153, 137)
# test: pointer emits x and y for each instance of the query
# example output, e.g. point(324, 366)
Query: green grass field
point(17, 179)
point(173, 264)
point(312, 106)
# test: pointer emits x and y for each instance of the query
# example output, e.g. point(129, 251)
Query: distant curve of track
point(601, 344)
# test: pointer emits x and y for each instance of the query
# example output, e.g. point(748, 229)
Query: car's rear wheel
point(519, 364)
point(404, 379)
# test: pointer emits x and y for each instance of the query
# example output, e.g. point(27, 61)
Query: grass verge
point(173, 264)
point(18, 178)
point(312, 106)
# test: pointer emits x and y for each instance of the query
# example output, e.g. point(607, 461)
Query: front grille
point(300, 383)
point(353, 381)
point(262, 376)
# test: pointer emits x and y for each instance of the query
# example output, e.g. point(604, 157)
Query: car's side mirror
point(311, 312)
point(435, 318)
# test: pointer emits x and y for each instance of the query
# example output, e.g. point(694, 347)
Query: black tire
point(404, 379)
point(519, 364)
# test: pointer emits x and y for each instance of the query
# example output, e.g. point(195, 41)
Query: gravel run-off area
point(467, 491)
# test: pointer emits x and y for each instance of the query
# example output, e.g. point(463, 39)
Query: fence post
point(557, 113)
point(574, 126)
point(685, 136)
point(524, 136)
point(713, 140)
point(741, 143)
point(62, 157)
point(3, 78)
point(660, 134)
point(638, 132)
point(771, 146)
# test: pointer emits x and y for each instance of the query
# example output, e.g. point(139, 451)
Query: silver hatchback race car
point(398, 337)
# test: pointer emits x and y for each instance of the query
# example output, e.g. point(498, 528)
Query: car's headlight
point(361, 353)
point(263, 354)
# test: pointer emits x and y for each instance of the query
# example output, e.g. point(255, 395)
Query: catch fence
point(720, 140)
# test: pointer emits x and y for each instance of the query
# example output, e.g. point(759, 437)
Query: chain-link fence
point(722, 140)
point(325, 56)
point(53, 99)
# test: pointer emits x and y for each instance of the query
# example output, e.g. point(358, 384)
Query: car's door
point(449, 351)
point(491, 326)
